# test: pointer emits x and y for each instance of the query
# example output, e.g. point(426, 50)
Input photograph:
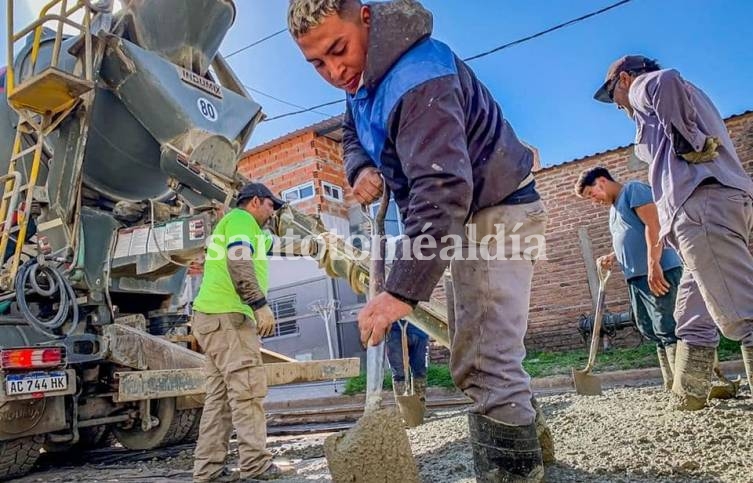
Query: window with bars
point(284, 310)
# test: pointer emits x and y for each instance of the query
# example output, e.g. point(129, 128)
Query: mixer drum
point(174, 31)
point(122, 159)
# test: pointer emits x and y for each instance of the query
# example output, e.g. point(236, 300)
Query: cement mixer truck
point(119, 139)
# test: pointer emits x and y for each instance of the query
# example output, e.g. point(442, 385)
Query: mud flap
point(31, 416)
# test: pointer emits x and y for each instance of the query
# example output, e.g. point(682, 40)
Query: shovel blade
point(412, 408)
point(586, 384)
point(375, 449)
point(725, 388)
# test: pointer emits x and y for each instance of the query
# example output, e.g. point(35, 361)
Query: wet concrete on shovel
point(375, 450)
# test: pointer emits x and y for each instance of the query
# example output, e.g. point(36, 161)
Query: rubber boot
point(419, 387)
point(504, 453)
point(748, 361)
point(398, 387)
point(544, 433)
point(671, 351)
point(692, 382)
point(666, 371)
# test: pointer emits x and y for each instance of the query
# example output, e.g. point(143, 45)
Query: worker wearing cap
point(230, 314)
point(704, 199)
point(419, 118)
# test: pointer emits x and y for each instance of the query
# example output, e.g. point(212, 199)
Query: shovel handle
point(375, 354)
point(374, 376)
point(603, 277)
point(406, 359)
point(378, 243)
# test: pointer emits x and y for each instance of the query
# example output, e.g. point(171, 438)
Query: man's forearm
point(649, 215)
point(244, 279)
point(653, 247)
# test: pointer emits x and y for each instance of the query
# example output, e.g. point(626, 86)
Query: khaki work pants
point(236, 385)
point(712, 233)
point(492, 291)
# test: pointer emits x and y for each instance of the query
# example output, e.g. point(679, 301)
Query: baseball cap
point(623, 64)
point(259, 190)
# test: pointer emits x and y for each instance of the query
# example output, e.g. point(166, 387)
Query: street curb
point(550, 384)
point(631, 377)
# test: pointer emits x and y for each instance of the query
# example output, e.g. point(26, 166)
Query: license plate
point(35, 382)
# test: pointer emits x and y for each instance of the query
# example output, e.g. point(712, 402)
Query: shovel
point(376, 449)
point(721, 387)
point(587, 384)
point(412, 406)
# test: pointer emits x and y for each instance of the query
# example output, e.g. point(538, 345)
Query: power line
point(309, 109)
point(246, 47)
point(549, 30)
point(283, 101)
point(488, 52)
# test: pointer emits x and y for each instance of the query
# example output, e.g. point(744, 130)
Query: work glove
point(709, 153)
point(265, 321)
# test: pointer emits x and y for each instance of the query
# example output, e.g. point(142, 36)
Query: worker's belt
point(526, 193)
point(526, 181)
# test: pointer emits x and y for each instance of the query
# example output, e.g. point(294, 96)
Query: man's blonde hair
point(303, 15)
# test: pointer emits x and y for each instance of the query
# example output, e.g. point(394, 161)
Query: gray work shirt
point(661, 100)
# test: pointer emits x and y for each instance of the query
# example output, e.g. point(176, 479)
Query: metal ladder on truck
point(43, 98)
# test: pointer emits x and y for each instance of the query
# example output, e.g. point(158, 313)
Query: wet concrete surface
point(626, 435)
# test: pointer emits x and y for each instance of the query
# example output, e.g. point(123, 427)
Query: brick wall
point(560, 292)
point(560, 287)
point(297, 160)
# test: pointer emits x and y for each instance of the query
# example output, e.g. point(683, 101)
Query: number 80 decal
point(207, 109)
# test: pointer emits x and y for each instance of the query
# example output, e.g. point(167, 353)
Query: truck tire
point(181, 427)
point(193, 432)
point(17, 456)
point(173, 427)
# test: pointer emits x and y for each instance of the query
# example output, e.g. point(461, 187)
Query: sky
point(545, 85)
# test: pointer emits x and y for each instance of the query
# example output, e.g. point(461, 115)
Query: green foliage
point(542, 364)
point(437, 375)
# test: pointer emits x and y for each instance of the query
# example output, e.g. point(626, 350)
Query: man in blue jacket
point(418, 117)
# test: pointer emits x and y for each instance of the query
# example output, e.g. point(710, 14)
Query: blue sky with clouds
point(545, 85)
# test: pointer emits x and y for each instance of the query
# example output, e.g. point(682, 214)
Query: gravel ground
point(627, 435)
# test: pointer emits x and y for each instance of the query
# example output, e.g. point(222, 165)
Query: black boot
point(504, 453)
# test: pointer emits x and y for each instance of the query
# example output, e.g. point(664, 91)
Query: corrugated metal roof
point(619, 148)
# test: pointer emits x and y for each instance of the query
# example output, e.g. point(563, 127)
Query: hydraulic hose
point(46, 281)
